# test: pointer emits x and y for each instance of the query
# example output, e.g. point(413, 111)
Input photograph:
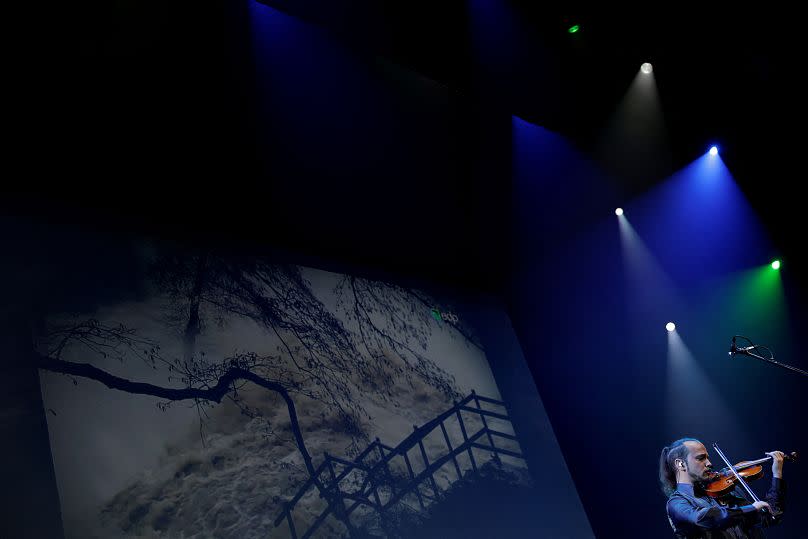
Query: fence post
point(465, 436)
point(382, 514)
point(387, 471)
point(412, 476)
point(375, 487)
point(291, 524)
point(426, 464)
point(331, 471)
point(494, 455)
point(335, 498)
point(451, 450)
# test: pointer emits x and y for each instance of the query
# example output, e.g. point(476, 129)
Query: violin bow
point(740, 479)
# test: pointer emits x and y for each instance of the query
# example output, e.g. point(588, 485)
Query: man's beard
point(702, 483)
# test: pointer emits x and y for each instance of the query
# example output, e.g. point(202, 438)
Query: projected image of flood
point(233, 397)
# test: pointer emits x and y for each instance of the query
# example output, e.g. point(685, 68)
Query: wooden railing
point(373, 482)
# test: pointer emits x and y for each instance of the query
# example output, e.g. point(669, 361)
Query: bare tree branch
point(215, 393)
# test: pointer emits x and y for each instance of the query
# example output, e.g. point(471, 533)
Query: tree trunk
point(194, 325)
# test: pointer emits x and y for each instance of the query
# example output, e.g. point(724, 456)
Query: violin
point(724, 481)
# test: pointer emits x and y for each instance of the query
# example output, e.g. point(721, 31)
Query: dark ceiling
point(728, 78)
point(731, 80)
point(719, 77)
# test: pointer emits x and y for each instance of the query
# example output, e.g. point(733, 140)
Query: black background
point(141, 118)
point(134, 112)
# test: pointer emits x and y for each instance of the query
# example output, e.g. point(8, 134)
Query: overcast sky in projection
point(103, 439)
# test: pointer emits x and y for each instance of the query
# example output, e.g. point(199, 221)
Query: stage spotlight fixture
point(776, 265)
point(714, 150)
point(670, 326)
point(646, 68)
point(618, 212)
point(574, 28)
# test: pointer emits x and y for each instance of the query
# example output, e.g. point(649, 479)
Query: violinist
point(684, 470)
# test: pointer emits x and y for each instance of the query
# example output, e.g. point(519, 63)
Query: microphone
point(752, 351)
point(743, 350)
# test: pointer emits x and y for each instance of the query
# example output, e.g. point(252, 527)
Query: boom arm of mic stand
point(770, 360)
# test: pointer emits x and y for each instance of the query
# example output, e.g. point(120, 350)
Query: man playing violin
point(684, 468)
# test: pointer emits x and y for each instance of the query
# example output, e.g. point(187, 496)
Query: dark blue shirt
point(697, 516)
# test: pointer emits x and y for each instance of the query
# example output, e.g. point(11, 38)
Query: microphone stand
point(772, 361)
point(745, 351)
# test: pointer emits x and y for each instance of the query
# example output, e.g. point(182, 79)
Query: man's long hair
point(667, 471)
